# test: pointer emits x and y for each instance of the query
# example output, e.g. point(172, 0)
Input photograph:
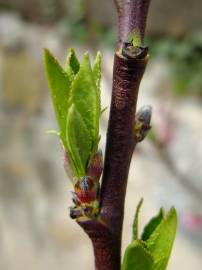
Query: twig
point(103, 244)
point(133, 18)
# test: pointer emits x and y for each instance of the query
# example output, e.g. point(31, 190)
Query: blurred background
point(35, 229)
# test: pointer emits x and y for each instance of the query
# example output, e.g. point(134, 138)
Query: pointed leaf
point(59, 85)
point(97, 69)
point(151, 226)
point(72, 63)
point(79, 141)
point(97, 74)
point(135, 222)
point(137, 257)
point(85, 97)
point(161, 240)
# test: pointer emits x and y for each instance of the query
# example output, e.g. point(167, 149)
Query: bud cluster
point(86, 190)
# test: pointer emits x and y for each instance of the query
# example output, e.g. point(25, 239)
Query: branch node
point(137, 52)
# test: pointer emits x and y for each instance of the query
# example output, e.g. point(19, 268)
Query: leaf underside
point(151, 226)
point(161, 240)
point(136, 257)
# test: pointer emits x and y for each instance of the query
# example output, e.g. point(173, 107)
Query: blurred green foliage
point(81, 26)
point(185, 58)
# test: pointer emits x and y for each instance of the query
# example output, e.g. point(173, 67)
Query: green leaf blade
point(79, 141)
point(151, 226)
point(97, 69)
point(86, 99)
point(161, 240)
point(137, 257)
point(97, 75)
point(72, 64)
point(59, 86)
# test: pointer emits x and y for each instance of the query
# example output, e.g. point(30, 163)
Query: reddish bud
point(86, 190)
point(95, 167)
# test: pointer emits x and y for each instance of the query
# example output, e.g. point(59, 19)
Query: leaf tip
point(47, 54)
point(86, 57)
point(135, 221)
point(71, 51)
point(99, 56)
point(49, 58)
point(172, 214)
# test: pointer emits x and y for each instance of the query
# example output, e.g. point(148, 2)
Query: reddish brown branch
point(132, 17)
point(105, 250)
point(120, 141)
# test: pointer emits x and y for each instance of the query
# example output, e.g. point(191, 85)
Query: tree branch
point(105, 250)
point(133, 17)
point(120, 142)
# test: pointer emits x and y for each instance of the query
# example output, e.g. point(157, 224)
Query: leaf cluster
point(152, 250)
point(75, 93)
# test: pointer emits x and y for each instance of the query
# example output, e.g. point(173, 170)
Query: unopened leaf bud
point(142, 122)
point(95, 167)
point(86, 190)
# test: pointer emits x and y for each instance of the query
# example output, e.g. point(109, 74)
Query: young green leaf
point(72, 64)
point(135, 38)
point(135, 222)
point(79, 141)
point(97, 75)
point(161, 240)
point(59, 85)
point(151, 226)
point(137, 257)
point(97, 69)
point(85, 97)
